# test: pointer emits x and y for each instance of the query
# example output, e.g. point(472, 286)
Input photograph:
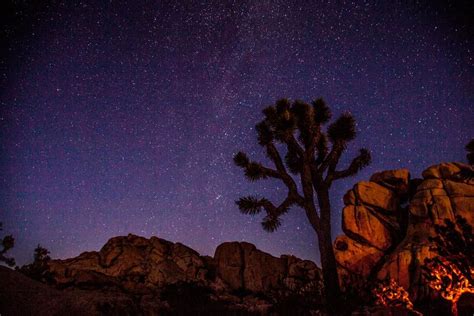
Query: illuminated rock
point(375, 216)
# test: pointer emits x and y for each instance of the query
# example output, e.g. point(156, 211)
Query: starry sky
point(120, 118)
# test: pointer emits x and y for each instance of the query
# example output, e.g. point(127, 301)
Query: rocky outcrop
point(243, 266)
point(239, 278)
point(388, 221)
point(140, 265)
point(135, 262)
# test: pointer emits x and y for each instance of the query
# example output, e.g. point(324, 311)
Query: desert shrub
point(7, 243)
point(38, 269)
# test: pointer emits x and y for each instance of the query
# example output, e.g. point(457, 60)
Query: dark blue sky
point(123, 118)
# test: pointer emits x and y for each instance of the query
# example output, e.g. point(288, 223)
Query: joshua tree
point(7, 243)
point(312, 156)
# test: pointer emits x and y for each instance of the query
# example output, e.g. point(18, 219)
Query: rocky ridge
point(238, 274)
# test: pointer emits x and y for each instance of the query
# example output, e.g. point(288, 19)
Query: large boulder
point(362, 224)
point(385, 238)
point(376, 196)
point(356, 257)
point(445, 170)
point(395, 180)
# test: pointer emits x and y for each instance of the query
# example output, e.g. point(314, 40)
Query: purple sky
point(118, 119)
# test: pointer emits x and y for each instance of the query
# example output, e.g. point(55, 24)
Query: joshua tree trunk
point(328, 261)
point(328, 264)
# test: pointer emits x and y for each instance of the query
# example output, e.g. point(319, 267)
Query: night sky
point(123, 118)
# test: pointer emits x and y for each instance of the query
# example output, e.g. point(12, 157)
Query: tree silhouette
point(312, 156)
point(470, 152)
point(467, 172)
point(7, 243)
point(38, 270)
point(451, 273)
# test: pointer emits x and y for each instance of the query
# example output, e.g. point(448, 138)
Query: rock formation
point(239, 275)
point(243, 266)
point(135, 262)
point(388, 220)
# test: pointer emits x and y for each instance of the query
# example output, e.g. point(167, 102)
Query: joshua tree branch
point(271, 172)
point(358, 163)
point(331, 162)
point(286, 178)
point(309, 205)
point(325, 164)
point(294, 145)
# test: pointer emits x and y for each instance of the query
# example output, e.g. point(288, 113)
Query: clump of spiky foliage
point(451, 273)
point(7, 243)
point(313, 151)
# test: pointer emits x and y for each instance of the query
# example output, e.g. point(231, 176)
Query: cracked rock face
point(139, 265)
point(388, 221)
point(136, 261)
point(241, 265)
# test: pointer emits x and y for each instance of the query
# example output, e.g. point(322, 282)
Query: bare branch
point(286, 178)
point(357, 164)
point(294, 145)
point(331, 158)
point(309, 206)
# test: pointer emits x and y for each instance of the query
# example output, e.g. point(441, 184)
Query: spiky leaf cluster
point(343, 129)
point(253, 170)
point(271, 223)
point(250, 205)
point(241, 159)
point(278, 123)
point(322, 113)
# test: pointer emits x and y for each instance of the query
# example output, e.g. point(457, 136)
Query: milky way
point(123, 118)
